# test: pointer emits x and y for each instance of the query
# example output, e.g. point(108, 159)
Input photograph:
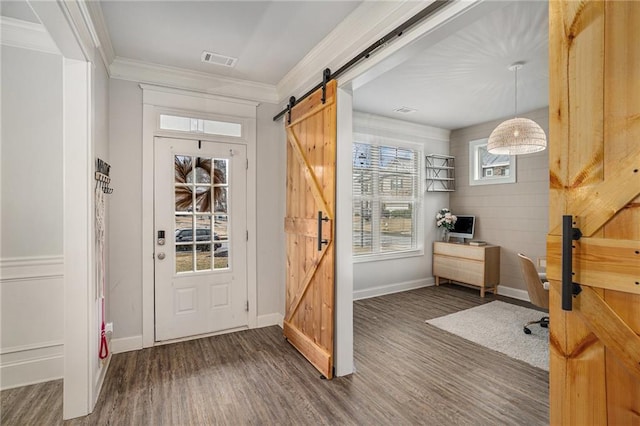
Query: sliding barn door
point(594, 110)
point(309, 224)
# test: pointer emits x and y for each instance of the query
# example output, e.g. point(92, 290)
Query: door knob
point(161, 256)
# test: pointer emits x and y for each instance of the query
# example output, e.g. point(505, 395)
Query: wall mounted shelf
point(440, 173)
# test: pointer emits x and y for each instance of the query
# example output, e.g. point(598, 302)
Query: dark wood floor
point(408, 372)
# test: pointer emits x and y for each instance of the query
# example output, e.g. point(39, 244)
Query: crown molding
point(26, 35)
point(367, 23)
point(181, 92)
point(179, 78)
point(365, 122)
point(99, 32)
point(72, 26)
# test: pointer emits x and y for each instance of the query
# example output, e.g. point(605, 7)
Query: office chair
point(537, 293)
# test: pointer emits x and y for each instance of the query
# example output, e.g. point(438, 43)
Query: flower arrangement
point(445, 219)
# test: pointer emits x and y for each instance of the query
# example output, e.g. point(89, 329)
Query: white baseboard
point(392, 288)
point(269, 320)
point(27, 367)
point(134, 343)
point(515, 293)
point(126, 344)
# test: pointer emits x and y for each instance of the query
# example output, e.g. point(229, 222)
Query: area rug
point(498, 326)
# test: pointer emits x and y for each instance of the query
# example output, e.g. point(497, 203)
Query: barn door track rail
point(396, 32)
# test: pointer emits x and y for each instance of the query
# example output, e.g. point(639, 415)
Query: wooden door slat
point(317, 356)
point(610, 329)
point(310, 177)
point(304, 286)
point(594, 205)
point(598, 262)
point(308, 227)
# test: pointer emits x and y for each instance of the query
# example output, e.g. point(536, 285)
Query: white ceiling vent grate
point(216, 59)
point(404, 110)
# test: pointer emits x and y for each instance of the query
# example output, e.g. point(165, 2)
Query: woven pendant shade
point(517, 136)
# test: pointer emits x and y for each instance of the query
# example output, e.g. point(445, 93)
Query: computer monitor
point(464, 227)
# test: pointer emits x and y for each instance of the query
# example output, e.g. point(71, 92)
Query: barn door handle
point(320, 220)
point(569, 288)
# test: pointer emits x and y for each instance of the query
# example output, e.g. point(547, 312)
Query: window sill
point(387, 256)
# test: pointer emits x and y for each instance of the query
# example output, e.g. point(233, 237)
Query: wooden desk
point(478, 266)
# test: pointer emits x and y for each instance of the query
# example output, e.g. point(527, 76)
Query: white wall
point(387, 276)
point(31, 262)
point(125, 287)
point(125, 208)
point(272, 170)
point(513, 216)
point(31, 153)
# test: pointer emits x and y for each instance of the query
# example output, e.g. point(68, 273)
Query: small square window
point(486, 168)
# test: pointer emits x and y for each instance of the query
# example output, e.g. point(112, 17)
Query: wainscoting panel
point(31, 349)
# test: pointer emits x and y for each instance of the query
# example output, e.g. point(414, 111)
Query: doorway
point(200, 221)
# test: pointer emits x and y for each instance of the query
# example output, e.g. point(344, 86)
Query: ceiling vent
point(404, 110)
point(216, 59)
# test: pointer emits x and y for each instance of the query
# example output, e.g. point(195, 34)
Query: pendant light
point(518, 135)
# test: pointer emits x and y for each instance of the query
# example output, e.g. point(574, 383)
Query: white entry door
point(200, 237)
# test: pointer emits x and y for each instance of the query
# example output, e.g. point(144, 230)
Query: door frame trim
point(157, 100)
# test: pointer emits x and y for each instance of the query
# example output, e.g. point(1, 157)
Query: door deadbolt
point(161, 239)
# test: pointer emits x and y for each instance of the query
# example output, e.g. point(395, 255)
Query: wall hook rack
point(102, 176)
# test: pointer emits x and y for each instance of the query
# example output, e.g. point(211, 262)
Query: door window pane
point(183, 169)
point(203, 199)
point(220, 171)
point(221, 256)
point(195, 197)
point(221, 227)
point(203, 170)
point(184, 258)
point(220, 200)
point(203, 257)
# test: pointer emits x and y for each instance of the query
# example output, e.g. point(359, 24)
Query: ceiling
point(267, 37)
point(464, 79)
point(18, 10)
point(455, 82)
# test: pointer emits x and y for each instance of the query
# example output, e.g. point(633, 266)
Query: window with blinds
point(386, 199)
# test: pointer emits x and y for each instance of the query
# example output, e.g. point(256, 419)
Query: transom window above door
point(198, 125)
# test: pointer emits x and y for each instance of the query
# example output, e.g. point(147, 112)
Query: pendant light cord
point(516, 100)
